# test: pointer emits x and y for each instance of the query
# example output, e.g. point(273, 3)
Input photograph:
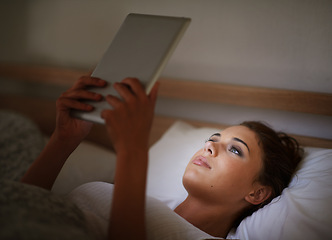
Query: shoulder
point(162, 222)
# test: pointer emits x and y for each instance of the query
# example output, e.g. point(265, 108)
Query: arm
point(68, 134)
point(129, 125)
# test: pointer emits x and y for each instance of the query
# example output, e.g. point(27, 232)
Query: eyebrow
point(216, 134)
point(241, 141)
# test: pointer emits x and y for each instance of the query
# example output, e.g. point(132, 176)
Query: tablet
point(140, 49)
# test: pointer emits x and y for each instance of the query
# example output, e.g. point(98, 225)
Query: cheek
point(215, 187)
point(232, 177)
point(228, 177)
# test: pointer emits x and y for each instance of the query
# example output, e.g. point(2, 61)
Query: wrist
point(133, 163)
point(131, 154)
point(65, 140)
point(64, 146)
point(131, 148)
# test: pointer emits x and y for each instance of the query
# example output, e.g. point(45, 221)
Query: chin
point(192, 180)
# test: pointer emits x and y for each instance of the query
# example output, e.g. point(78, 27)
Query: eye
point(235, 150)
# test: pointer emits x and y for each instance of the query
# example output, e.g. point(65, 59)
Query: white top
point(162, 223)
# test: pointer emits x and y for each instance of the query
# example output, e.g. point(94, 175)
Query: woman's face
point(226, 168)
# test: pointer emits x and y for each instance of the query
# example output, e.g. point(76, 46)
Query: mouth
point(201, 161)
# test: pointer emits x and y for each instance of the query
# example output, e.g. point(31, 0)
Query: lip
point(201, 161)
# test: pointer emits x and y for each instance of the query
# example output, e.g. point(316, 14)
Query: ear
point(259, 194)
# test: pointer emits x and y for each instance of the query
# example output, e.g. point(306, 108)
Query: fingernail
point(101, 81)
point(97, 96)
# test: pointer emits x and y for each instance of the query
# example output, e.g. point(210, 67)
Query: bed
point(303, 210)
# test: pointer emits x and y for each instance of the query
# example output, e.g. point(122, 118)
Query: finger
point(106, 114)
point(82, 94)
point(136, 86)
point(114, 101)
point(125, 91)
point(67, 103)
point(87, 81)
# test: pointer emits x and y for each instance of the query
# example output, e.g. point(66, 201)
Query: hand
point(129, 121)
point(68, 127)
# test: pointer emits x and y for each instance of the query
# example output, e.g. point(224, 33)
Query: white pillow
point(88, 163)
point(302, 212)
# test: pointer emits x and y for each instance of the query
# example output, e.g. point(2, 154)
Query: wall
point(280, 44)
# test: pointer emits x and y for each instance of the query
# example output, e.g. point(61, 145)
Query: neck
point(213, 219)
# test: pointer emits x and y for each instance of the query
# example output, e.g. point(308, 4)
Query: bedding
point(20, 143)
point(302, 211)
point(89, 162)
point(29, 212)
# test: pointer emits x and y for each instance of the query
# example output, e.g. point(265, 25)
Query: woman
point(226, 180)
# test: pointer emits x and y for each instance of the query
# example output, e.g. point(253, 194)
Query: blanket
point(29, 212)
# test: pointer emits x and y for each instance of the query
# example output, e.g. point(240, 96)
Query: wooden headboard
point(42, 109)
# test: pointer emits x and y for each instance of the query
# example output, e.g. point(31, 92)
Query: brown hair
point(281, 156)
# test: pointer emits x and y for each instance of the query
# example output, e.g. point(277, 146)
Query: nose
point(210, 148)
